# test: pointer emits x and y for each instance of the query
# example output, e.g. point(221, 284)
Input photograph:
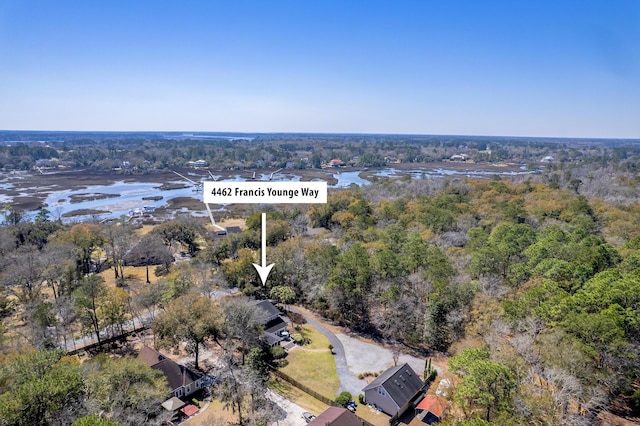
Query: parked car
point(308, 417)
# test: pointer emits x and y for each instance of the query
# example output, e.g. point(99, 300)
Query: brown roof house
point(182, 380)
point(394, 390)
point(336, 416)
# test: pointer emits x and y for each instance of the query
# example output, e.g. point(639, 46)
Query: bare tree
point(243, 321)
point(23, 274)
point(118, 241)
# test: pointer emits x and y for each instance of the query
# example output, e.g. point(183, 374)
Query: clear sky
point(566, 68)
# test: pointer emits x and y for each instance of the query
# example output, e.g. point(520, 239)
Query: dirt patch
point(610, 419)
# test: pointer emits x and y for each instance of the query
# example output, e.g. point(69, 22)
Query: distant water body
point(213, 137)
point(129, 195)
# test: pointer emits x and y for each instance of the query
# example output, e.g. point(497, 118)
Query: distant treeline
point(147, 152)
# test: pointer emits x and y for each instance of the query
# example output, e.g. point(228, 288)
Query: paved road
point(348, 381)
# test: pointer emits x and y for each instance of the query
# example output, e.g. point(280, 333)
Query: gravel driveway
point(366, 357)
point(354, 357)
point(348, 381)
point(293, 412)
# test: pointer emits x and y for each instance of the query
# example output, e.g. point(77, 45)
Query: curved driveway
point(348, 382)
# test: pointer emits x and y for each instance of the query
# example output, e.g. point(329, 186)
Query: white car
point(308, 417)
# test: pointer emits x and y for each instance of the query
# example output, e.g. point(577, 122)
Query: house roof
point(177, 375)
point(433, 404)
point(400, 382)
point(190, 410)
point(336, 416)
point(268, 308)
point(173, 404)
point(274, 325)
point(271, 338)
point(150, 356)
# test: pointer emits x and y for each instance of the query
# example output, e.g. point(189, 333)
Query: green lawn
point(318, 340)
point(316, 370)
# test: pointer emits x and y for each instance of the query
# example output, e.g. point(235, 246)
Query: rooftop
point(400, 382)
point(433, 404)
point(336, 416)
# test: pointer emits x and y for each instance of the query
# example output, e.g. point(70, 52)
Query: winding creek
point(122, 198)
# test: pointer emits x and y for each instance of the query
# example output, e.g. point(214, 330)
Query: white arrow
point(264, 270)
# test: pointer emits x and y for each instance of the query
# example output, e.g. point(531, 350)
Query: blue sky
point(526, 68)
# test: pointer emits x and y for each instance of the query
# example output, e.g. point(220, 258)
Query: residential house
point(274, 323)
point(459, 157)
point(182, 380)
point(336, 162)
point(394, 390)
point(336, 416)
point(432, 408)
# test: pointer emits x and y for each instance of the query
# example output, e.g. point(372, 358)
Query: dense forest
point(531, 285)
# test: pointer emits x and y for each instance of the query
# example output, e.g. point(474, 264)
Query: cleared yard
point(297, 396)
point(317, 339)
point(316, 370)
point(134, 276)
point(213, 414)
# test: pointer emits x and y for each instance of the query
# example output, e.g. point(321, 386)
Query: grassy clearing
point(134, 275)
point(317, 339)
point(316, 370)
point(214, 414)
point(296, 396)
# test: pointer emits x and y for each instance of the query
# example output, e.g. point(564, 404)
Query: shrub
point(433, 374)
point(344, 398)
point(361, 398)
point(368, 374)
point(278, 352)
point(635, 400)
point(161, 271)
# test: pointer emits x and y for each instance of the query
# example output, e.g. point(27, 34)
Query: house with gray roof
point(394, 390)
point(182, 380)
point(274, 323)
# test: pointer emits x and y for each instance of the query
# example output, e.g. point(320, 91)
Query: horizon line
point(322, 133)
